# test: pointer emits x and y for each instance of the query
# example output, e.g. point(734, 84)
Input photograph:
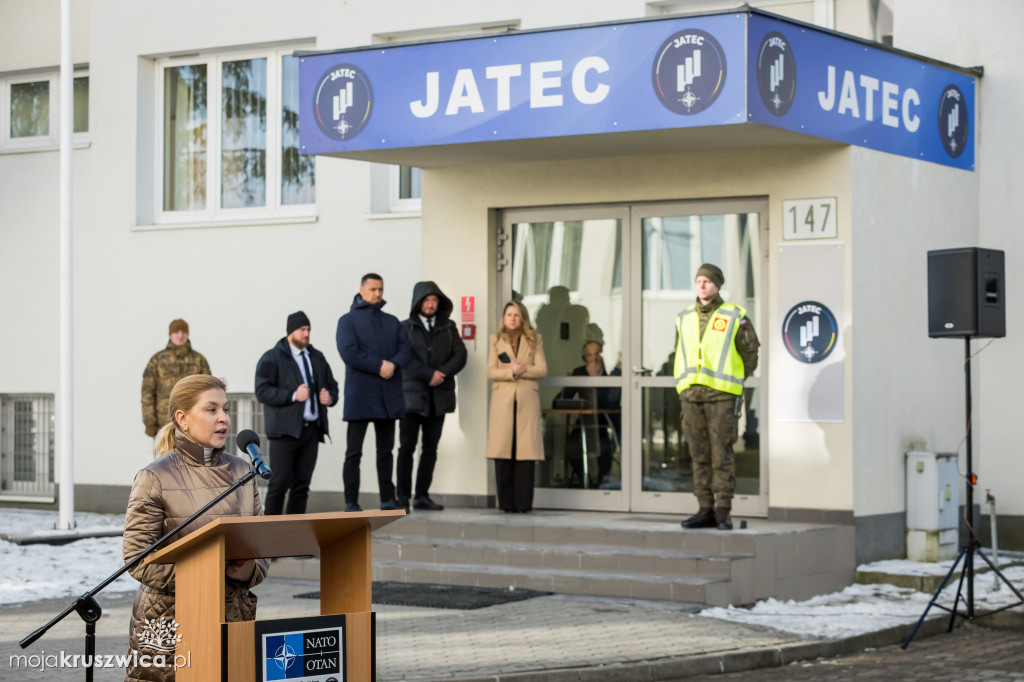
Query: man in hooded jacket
point(375, 347)
point(438, 354)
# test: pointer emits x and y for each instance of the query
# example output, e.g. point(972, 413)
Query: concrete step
point(679, 588)
point(554, 528)
point(599, 558)
point(631, 555)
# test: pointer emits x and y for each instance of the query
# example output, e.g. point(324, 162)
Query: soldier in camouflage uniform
point(166, 368)
point(716, 349)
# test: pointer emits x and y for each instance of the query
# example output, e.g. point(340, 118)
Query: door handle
point(642, 371)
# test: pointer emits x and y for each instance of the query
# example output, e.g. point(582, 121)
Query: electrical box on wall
point(933, 501)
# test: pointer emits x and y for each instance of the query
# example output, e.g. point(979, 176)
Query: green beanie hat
point(712, 272)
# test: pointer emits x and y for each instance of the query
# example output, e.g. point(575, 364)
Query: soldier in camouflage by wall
point(716, 349)
point(166, 368)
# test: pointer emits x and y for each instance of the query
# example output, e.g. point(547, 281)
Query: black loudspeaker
point(966, 293)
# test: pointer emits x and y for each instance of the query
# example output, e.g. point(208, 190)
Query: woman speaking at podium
point(191, 468)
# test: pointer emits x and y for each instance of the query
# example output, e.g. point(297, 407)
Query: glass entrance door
point(671, 241)
point(603, 286)
point(567, 268)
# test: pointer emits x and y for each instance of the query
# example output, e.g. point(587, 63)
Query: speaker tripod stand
point(971, 548)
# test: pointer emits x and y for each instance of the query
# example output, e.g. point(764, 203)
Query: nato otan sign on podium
point(301, 649)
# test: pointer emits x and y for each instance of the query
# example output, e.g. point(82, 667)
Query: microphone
point(248, 441)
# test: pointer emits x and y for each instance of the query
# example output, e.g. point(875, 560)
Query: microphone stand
point(89, 609)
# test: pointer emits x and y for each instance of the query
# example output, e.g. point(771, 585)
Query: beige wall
point(908, 387)
point(891, 210)
point(810, 465)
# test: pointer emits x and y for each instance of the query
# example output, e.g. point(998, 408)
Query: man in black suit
point(296, 386)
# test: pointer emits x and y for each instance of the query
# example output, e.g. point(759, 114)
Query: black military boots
point(704, 518)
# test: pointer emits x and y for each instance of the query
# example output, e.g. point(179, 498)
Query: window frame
point(37, 143)
point(213, 212)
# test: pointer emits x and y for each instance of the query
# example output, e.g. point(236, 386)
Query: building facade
point(193, 199)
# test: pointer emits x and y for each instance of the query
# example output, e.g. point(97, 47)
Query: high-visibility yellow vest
point(713, 360)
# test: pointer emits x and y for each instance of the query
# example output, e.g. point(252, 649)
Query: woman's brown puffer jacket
point(164, 494)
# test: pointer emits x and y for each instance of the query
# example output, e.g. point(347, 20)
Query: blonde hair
point(526, 327)
point(184, 397)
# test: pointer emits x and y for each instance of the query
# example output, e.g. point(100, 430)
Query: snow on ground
point(940, 568)
point(30, 522)
point(867, 608)
point(31, 572)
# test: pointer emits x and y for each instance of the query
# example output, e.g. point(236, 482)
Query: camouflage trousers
point(710, 430)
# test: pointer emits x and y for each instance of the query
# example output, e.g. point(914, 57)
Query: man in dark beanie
point(716, 349)
point(164, 369)
point(296, 386)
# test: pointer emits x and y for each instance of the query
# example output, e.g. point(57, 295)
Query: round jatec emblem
point(809, 331)
point(343, 102)
point(689, 71)
point(776, 73)
point(953, 121)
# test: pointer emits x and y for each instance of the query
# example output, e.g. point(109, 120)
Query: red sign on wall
point(469, 308)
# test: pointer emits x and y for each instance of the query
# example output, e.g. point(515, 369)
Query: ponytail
point(164, 441)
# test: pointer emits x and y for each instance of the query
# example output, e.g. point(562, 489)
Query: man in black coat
point(296, 386)
point(375, 347)
point(438, 354)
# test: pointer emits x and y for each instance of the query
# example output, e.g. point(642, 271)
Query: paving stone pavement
point(968, 653)
point(554, 638)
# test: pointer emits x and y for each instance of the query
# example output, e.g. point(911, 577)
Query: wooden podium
point(341, 540)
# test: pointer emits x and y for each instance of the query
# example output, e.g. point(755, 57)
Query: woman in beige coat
point(191, 470)
point(514, 441)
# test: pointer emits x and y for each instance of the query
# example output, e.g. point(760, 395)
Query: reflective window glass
point(81, 94)
point(185, 130)
point(243, 133)
point(565, 273)
point(298, 179)
point(30, 109)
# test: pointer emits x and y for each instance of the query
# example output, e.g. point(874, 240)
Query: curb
point(713, 664)
point(63, 538)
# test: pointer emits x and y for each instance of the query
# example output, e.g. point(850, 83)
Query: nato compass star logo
point(953, 121)
point(689, 71)
point(809, 332)
point(343, 102)
point(776, 73)
point(285, 657)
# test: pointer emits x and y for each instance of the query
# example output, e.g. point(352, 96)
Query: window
point(405, 188)
point(26, 445)
point(30, 113)
point(246, 413)
point(30, 109)
point(229, 138)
